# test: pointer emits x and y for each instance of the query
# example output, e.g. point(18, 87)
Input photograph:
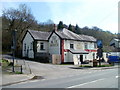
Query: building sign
point(79, 46)
point(54, 41)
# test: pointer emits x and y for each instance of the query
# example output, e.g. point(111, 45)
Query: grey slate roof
point(66, 34)
point(39, 35)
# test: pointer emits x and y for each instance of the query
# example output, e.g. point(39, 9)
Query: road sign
point(99, 44)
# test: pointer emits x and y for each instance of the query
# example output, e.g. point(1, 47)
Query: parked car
point(113, 59)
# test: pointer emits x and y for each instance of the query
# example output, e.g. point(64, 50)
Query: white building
point(72, 47)
point(115, 42)
point(35, 44)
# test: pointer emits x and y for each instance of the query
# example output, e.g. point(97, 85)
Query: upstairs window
point(86, 46)
point(118, 44)
point(95, 45)
point(71, 46)
point(41, 46)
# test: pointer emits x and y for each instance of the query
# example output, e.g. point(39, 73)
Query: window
point(41, 46)
point(71, 46)
point(95, 45)
point(31, 46)
point(119, 45)
point(25, 47)
point(86, 46)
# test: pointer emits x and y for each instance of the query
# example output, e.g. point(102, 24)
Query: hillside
point(105, 36)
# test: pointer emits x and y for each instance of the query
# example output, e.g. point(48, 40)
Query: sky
point(100, 13)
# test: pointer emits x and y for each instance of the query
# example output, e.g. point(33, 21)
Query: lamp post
point(14, 46)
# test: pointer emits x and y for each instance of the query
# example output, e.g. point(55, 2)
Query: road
point(107, 78)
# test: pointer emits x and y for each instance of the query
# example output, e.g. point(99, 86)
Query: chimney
point(55, 27)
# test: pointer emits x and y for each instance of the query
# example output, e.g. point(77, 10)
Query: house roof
point(39, 35)
point(117, 39)
point(66, 34)
point(114, 41)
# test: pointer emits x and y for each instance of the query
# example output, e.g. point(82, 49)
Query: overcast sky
point(100, 13)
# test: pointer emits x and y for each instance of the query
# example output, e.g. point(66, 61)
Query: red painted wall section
point(90, 50)
point(62, 56)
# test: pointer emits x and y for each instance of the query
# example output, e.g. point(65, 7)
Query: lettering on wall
point(78, 46)
point(54, 41)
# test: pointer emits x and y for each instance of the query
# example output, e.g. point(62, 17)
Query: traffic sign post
point(99, 51)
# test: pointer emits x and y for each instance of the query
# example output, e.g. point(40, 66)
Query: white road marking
point(85, 83)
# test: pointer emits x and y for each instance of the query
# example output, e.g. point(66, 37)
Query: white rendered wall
point(28, 40)
point(78, 45)
point(54, 44)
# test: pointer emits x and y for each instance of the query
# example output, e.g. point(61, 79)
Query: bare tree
point(18, 19)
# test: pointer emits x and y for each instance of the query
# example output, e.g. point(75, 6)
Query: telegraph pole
point(14, 47)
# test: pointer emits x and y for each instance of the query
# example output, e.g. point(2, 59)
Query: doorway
point(81, 58)
point(28, 52)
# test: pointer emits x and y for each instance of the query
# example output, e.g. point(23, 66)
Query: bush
point(5, 63)
point(18, 72)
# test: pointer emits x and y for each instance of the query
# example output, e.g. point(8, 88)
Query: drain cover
point(37, 77)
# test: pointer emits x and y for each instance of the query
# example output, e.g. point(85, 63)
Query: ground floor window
point(31, 46)
point(25, 47)
point(41, 46)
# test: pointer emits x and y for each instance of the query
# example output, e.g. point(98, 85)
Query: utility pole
point(14, 47)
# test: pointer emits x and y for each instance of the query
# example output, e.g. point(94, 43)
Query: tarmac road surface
point(103, 79)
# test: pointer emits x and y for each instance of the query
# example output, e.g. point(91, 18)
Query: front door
point(81, 58)
point(27, 51)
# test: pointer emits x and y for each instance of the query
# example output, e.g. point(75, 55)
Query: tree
point(85, 28)
point(49, 22)
point(77, 29)
point(60, 25)
point(20, 18)
point(118, 35)
point(17, 19)
point(96, 28)
point(70, 27)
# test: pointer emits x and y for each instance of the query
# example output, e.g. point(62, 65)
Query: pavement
point(44, 71)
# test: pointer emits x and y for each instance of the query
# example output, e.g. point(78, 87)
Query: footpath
point(45, 71)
